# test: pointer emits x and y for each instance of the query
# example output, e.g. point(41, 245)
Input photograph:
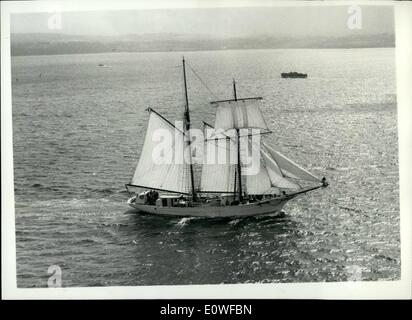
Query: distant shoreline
point(191, 50)
point(59, 44)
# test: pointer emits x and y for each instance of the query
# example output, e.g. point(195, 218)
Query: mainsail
point(172, 175)
point(239, 114)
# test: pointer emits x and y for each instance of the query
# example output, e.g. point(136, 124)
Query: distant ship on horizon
point(293, 75)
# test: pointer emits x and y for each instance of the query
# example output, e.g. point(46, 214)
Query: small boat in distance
point(225, 188)
point(293, 75)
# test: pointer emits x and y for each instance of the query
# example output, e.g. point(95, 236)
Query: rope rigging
point(201, 81)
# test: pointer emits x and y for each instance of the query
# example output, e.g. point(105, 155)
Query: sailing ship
point(224, 189)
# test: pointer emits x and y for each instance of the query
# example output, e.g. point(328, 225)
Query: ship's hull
point(250, 209)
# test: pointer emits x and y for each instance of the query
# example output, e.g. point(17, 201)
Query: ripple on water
point(77, 137)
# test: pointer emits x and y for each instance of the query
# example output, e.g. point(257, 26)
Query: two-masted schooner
point(225, 190)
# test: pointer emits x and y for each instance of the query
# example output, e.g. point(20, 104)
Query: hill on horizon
point(59, 43)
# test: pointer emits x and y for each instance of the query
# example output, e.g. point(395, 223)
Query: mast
point(239, 167)
point(187, 122)
point(234, 90)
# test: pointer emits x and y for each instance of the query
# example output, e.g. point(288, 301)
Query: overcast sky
point(282, 21)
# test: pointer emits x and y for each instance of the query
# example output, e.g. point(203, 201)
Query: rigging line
point(268, 190)
point(241, 136)
point(185, 178)
point(210, 126)
point(213, 140)
point(285, 175)
point(217, 146)
point(227, 88)
point(299, 179)
point(146, 187)
point(229, 137)
point(276, 162)
point(246, 89)
point(201, 80)
point(164, 119)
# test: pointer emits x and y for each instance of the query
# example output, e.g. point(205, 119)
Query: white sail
point(290, 168)
point(240, 114)
point(218, 170)
point(269, 178)
point(150, 172)
point(275, 175)
point(258, 183)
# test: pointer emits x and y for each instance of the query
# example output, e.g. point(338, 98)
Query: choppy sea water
point(78, 131)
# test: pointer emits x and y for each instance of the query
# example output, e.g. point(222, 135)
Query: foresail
point(151, 172)
point(276, 177)
point(240, 114)
point(218, 170)
point(260, 183)
point(290, 168)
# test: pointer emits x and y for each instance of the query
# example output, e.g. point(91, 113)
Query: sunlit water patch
point(78, 131)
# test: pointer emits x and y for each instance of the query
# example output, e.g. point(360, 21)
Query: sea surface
point(79, 127)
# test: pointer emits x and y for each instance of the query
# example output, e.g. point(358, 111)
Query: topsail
point(239, 114)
